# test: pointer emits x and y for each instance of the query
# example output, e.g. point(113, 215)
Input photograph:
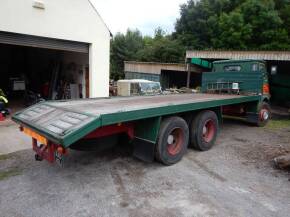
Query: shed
point(168, 74)
point(59, 48)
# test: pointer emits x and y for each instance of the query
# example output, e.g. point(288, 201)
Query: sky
point(145, 15)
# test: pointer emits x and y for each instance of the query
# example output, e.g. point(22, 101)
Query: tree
point(233, 32)
point(161, 48)
point(208, 24)
point(124, 47)
point(132, 46)
point(234, 24)
point(267, 27)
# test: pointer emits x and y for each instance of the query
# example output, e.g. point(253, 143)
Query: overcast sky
point(145, 15)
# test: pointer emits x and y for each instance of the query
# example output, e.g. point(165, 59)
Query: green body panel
point(201, 62)
point(148, 129)
point(282, 80)
point(280, 87)
point(69, 137)
point(113, 118)
point(219, 113)
point(280, 94)
point(246, 65)
point(249, 82)
point(146, 116)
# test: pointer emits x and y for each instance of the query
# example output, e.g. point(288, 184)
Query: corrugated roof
point(236, 61)
point(257, 55)
point(152, 67)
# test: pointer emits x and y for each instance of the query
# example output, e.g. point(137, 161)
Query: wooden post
point(188, 75)
point(87, 78)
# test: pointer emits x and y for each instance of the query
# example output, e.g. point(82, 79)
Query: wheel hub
point(208, 131)
point(204, 130)
point(264, 114)
point(170, 139)
point(175, 141)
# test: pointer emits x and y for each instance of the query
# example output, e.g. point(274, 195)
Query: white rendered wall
point(74, 20)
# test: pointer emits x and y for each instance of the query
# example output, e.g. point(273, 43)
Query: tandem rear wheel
point(175, 136)
point(172, 140)
point(203, 130)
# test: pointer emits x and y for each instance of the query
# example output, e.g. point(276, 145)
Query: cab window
point(255, 67)
point(261, 67)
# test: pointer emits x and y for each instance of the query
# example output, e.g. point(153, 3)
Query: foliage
point(161, 48)
point(124, 48)
point(208, 24)
point(238, 24)
point(132, 46)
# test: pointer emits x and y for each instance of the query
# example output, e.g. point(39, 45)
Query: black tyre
point(172, 140)
point(264, 114)
point(38, 158)
point(204, 129)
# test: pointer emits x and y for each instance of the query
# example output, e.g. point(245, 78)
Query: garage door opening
point(29, 74)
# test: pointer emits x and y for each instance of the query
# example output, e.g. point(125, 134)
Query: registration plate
point(59, 158)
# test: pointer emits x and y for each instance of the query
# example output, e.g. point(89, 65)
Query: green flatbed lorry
point(160, 127)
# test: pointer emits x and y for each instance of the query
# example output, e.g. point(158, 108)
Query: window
point(273, 70)
point(232, 68)
point(255, 67)
point(135, 89)
point(261, 67)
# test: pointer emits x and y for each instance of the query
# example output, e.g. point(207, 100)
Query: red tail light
point(266, 89)
point(61, 150)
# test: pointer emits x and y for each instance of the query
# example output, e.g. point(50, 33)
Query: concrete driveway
point(11, 139)
point(235, 178)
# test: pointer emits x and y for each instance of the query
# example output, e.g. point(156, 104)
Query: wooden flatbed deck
point(65, 122)
point(114, 105)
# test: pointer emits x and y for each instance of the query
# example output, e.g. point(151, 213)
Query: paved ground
point(235, 178)
point(11, 139)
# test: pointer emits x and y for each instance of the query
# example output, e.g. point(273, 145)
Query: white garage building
point(49, 45)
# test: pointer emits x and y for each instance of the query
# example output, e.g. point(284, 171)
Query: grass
point(278, 124)
point(4, 157)
point(9, 173)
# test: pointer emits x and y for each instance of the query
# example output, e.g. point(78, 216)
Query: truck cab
point(241, 68)
point(245, 77)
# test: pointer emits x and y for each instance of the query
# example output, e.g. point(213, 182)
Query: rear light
point(61, 150)
point(266, 89)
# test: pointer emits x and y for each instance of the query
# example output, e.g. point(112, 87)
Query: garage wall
point(74, 20)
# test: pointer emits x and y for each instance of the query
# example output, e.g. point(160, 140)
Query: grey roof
point(257, 55)
point(236, 61)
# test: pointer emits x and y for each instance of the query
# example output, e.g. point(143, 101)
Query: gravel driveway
point(235, 178)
